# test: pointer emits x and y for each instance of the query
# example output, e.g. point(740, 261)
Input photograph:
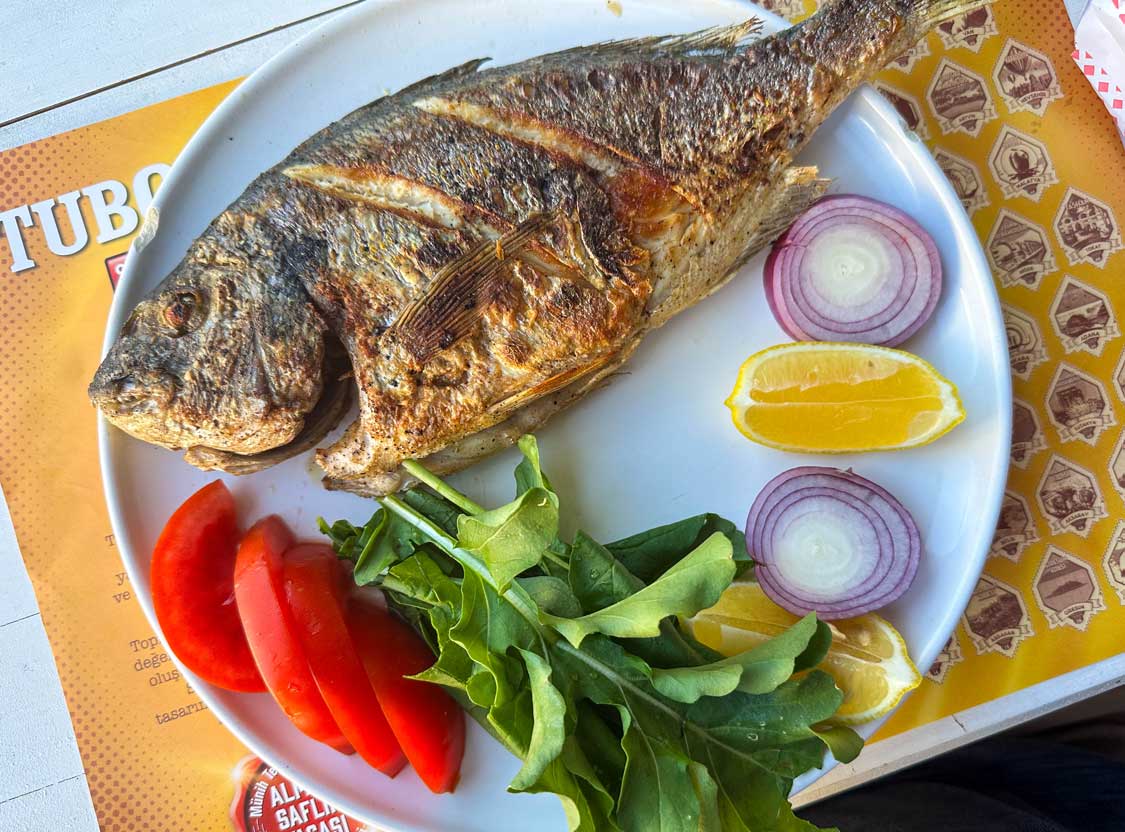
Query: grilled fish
point(479, 250)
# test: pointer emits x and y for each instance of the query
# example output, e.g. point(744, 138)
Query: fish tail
point(915, 17)
point(855, 39)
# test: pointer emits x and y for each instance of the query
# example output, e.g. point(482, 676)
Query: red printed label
point(115, 265)
point(265, 801)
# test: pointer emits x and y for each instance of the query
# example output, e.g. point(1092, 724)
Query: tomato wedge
point(314, 587)
point(426, 721)
point(259, 588)
point(193, 591)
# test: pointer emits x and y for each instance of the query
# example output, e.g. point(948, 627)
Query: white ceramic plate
point(656, 445)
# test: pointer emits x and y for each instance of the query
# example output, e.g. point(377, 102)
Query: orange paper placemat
point(1038, 165)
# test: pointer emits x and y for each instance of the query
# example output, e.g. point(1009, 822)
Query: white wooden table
point(66, 64)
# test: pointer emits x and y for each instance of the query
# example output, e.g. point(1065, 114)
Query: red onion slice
point(853, 269)
point(831, 542)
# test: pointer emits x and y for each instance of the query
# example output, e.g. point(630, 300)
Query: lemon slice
point(817, 397)
point(868, 658)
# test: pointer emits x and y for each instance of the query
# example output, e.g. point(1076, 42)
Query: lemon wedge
point(868, 658)
point(816, 397)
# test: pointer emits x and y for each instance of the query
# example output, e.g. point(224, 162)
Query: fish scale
point(487, 245)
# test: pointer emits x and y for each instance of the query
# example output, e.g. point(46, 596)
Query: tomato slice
point(259, 588)
point(426, 721)
point(314, 587)
point(193, 591)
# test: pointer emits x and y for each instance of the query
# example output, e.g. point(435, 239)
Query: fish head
point(220, 356)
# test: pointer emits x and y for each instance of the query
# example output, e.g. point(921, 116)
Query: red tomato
point(428, 724)
point(259, 588)
point(193, 591)
point(314, 586)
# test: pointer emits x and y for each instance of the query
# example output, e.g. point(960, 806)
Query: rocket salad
point(571, 655)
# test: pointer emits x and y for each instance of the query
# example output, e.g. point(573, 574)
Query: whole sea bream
point(479, 250)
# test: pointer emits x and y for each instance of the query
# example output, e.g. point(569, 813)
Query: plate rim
point(310, 41)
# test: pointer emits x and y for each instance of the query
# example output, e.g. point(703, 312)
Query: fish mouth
point(334, 401)
point(132, 394)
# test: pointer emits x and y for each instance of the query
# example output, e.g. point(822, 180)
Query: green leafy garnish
point(511, 539)
point(572, 656)
point(650, 553)
point(693, 583)
point(759, 670)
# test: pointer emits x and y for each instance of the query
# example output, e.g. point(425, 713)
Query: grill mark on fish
point(516, 125)
point(414, 201)
point(393, 391)
point(386, 191)
point(609, 165)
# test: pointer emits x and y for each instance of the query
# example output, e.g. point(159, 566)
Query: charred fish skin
point(690, 139)
point(240, 375)
point(486, 238)
point(226, 352)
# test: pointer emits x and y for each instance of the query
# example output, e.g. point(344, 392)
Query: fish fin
point(714, 39)
point(431, 85)
point(451, 74)
point(459, 293)
point(800, 187)
point(550, 385)
point(468, 450)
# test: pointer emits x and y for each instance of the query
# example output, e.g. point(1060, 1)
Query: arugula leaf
point(384, 540)
point(482, 692)
point(769, 664)
point(486, 629)
point(547, 733)
point(453, 668)
point(758, 670)
point(687, 684)
point(342, 534)
point(596, 577)
point(422, 581)
point(598, 734)
point(528, 473)
point(552, 595)
point(672, 648)
point(659, 791)
point(392, 540)
point(817, 649)
point(589, 776)
point(438, 509)
point(588, 807)
point(727, 735)
point(649, 554)
point(512, 538)
point(844, 743)
point(708, 791)
point(692, 584)
point(774, 729)
point(419, 584)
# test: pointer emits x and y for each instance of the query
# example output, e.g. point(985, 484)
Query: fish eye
point(183, 313)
